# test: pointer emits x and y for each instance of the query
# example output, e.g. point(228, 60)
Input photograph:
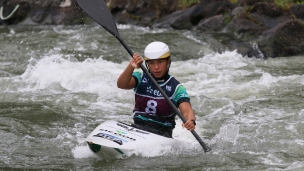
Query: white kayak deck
point(113, 139)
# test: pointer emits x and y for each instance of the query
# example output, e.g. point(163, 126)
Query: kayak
point(113, 139)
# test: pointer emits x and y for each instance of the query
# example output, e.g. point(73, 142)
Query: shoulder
point(137, 74)
point(180, 90)
point(172, 81)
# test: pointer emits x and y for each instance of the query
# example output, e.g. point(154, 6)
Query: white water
point(249, 110)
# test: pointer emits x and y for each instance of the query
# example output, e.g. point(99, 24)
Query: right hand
point(136, 61)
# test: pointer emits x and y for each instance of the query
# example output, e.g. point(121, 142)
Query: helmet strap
point(168, 66)
point(146, 63)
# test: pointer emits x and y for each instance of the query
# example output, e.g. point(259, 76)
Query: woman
point(152, 112)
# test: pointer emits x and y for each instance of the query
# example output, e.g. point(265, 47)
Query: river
point(59, 82)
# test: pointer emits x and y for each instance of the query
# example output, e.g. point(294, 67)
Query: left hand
point(189, 124)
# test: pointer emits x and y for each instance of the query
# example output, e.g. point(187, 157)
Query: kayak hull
point(113, 139)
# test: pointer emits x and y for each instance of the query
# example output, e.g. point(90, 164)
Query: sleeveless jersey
point(151, 106)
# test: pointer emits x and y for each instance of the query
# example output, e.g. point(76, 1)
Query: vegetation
point(233, 1)
point(288, 2)
point(188, 3)
point(285, 3)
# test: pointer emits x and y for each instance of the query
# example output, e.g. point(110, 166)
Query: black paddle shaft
point(99, 11)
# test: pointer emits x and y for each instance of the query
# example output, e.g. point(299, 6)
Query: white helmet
point(156, 50)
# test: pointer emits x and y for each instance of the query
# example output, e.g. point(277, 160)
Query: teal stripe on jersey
point(151, 120)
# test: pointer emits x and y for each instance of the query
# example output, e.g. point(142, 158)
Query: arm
point(125, 80)
point(188, 113)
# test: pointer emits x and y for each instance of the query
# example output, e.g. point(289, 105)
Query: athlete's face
point(158, 67)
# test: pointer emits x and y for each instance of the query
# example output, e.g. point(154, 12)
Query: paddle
point(99, 11)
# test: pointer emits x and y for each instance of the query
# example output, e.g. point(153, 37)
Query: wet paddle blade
point(98, 11)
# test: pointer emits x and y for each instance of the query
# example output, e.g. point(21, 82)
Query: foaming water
point(86, 76)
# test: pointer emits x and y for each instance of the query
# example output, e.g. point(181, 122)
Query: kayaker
point(152, 112)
